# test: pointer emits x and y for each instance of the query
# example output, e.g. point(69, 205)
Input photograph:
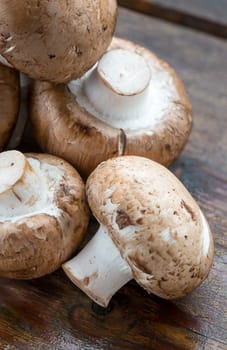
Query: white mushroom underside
point(127, 112)
point(50, 177)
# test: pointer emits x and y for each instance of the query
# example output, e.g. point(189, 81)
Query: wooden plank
point(50, 313)
point(208, 16)
point(210, 9)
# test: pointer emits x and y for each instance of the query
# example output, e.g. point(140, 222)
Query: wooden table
point(51, 313)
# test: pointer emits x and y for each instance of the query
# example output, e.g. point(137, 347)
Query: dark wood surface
point(210, 9)
point(51, 313)
point(205, 15)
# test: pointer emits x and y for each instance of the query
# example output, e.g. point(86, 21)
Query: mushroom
point(43, 213)
point(9, 102)
point(55, 40)
point(129, 103)
point(151, 230)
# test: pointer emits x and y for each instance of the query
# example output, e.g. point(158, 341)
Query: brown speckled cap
point(37, 242)
point(55, 40)
point(155, 223)
point(9, 102)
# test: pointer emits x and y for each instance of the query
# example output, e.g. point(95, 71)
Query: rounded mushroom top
point(43, 213)
point(55, 40)
point(156, 224)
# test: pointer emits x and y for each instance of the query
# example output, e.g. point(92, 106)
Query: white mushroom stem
point(99, 270)
point(25, 83)
point(117, 89)
point(118, 86)
point(19, 185)
point(124, 72)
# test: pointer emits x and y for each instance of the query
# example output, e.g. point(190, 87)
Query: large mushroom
point(151, 229)
point(55, 40)
point(130, 102)
point(43, 214)
point(9, 102)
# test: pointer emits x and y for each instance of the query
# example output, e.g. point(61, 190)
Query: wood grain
point(51, 313)
point(205, 15)
point(210, 9)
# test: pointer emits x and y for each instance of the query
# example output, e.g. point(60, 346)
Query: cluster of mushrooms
point(109, 113)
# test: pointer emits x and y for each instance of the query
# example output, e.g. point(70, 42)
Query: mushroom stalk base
point(99, 270)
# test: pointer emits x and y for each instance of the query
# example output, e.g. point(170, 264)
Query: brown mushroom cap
point(155, 223)
point(55, 40)
point(37, 243)
point(9, 102)
point(85, 141)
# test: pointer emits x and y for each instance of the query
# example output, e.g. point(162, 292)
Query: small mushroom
point(55, 40)
point(9, 102)
point(130, 102)
point(43, 214)
point(151, 230)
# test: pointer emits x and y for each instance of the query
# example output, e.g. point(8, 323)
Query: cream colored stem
point(19, 185)
point(118, 88)
point(124, 72)
point(99, 270)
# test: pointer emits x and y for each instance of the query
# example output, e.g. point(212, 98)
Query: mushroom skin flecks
point(55, 40)
point(98, 122)
point(43, 214)
point(155, 225)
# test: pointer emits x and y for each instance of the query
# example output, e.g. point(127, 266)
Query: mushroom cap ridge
point(55, 40)
point(37, 244)
point(9, 102)
point(155, 223)
point(88, 141)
